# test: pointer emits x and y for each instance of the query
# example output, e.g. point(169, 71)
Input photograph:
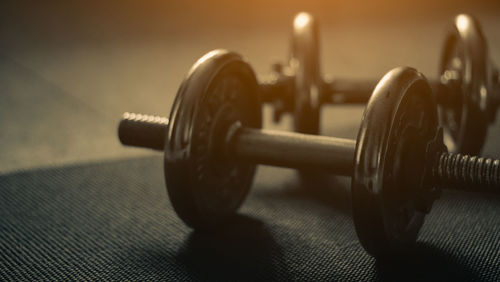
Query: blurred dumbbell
point(467, 90)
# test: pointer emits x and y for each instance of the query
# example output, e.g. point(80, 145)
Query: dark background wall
point(68, 69)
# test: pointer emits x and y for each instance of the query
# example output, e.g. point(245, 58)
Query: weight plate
point(399, 122)
point(464, 72)
point(304, 63)
point(204, 185)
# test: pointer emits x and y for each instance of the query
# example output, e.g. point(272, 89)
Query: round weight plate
point(464, 72)
point(204, 185)
point(304, 62)
point(398, 123)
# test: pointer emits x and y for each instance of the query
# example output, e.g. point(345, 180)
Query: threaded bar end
point(468, 172)
point(146, 131)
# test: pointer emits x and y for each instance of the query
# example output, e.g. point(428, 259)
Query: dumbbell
point(398, 164)
point(467, 90)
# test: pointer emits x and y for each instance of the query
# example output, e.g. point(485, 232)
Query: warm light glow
point(462, 22)
point(382, 82)
point(483, 92)
point(206, 57)
point(301, 20)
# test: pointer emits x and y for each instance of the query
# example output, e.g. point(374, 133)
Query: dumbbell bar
point(398, 162)
point(297, 150)
point(343, 90)
point(293, 150)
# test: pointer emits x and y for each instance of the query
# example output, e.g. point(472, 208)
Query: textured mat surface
point(113, 221)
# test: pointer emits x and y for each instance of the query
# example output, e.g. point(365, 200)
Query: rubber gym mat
point(113, 221)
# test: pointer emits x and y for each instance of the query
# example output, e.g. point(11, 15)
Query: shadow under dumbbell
point(242, 250)
point(328, 189)
point(321, 188)
point(424, 262)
